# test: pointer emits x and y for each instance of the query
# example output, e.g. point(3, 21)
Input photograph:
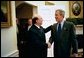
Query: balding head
point(37, 19)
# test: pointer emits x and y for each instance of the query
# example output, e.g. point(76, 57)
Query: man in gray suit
point(63, 35)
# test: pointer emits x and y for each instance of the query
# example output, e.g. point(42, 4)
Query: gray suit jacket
point(62, 46)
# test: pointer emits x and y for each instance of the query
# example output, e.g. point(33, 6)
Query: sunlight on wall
point(48, 15)
point(8, 36)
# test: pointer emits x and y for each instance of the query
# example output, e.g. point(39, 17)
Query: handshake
point(49, 44)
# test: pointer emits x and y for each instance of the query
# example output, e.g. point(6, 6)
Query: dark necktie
point(59, 30)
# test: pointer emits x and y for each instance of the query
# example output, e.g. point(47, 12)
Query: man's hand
point(49, 44)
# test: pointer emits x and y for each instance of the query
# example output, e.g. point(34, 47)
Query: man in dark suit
point(63, 35)
point(22, 36)
point(37, 46)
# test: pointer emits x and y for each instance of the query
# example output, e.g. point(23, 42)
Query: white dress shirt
point(29, 27)
point(37, 26)
point(62, 23)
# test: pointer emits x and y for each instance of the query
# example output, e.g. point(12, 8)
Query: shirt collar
point(62, 22)
point(37, 26)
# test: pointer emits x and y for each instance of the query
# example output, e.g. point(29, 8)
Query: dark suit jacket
point(22, 39)
point(37, 46)
point(62, 46)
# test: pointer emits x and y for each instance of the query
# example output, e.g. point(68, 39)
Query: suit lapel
point(36, 30)
point(54, 29)
point(63, 28)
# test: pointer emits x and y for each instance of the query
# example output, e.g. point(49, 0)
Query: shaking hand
point(49, 44)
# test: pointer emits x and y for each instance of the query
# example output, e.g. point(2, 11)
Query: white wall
point(63, 3)
point(66, 5)
point(48, 15)
point(8, 36)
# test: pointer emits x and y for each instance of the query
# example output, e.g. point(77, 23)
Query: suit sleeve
point(73, 39)
point(51, 39)
point(47, 29)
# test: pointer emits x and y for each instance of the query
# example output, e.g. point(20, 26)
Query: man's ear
point(36, 21)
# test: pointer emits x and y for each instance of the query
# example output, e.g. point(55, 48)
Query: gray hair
point(62, 12)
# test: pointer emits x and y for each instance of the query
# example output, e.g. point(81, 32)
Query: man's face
point(39, 21)
point(58, 17)
point(30, 21)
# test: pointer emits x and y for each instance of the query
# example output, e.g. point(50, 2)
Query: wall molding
point(12, 54)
